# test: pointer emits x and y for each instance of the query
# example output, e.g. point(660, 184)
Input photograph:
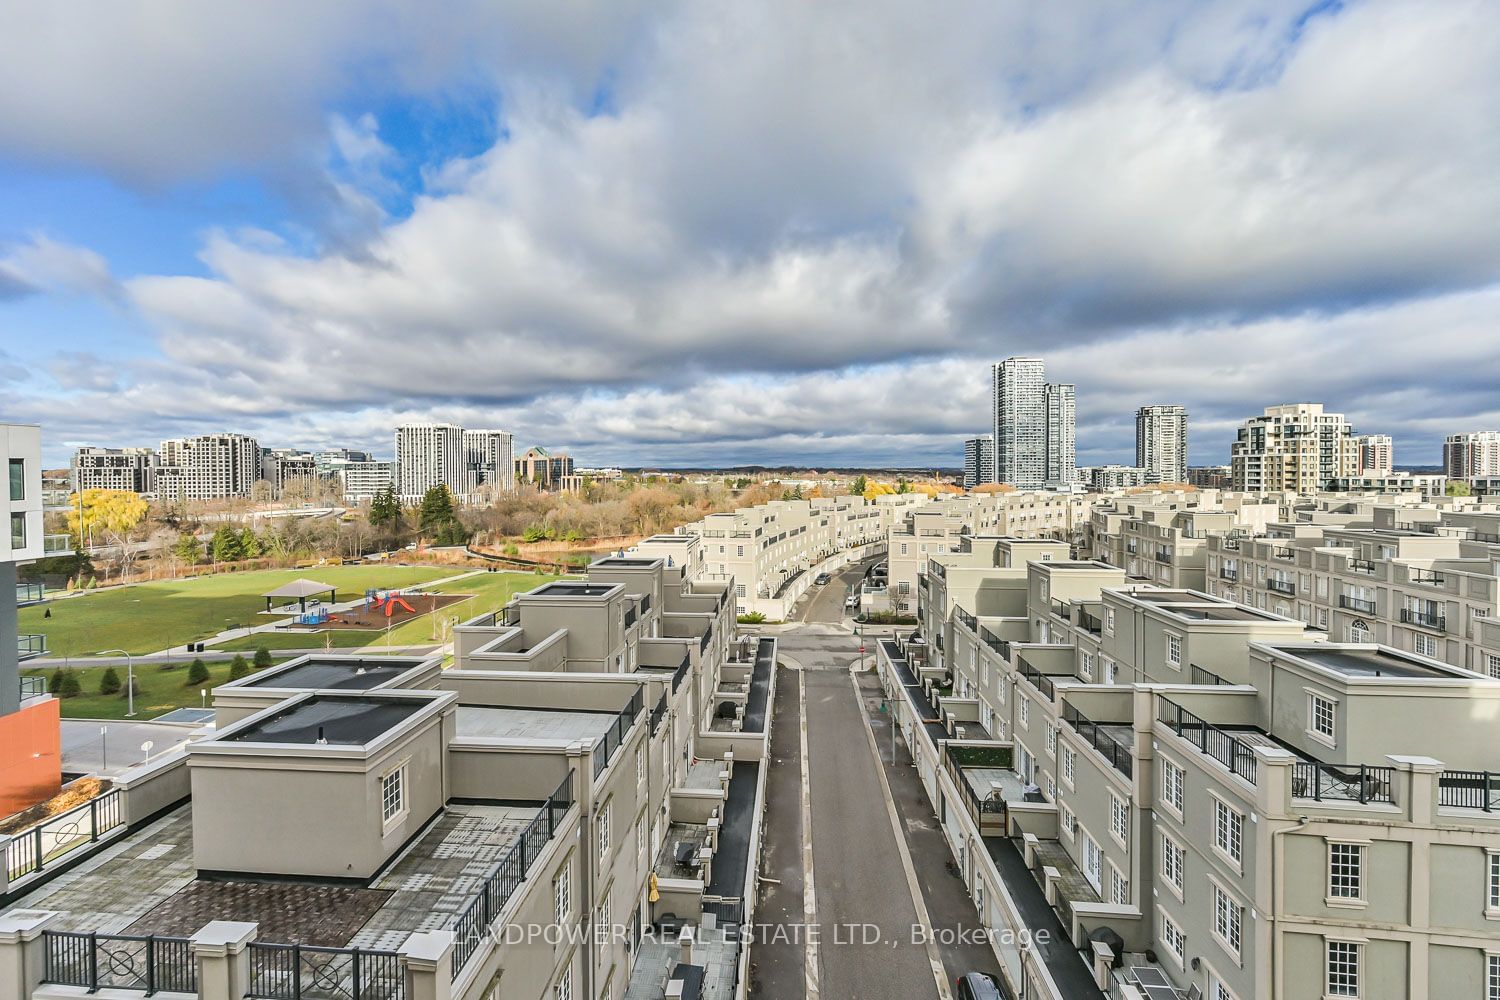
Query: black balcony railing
point(304, 972)
point(658, 713)
point(487, 905)
point(1227, 573)
point(1426, 619)
point(999, 645)
point(147, 963)
point(1428, 577)
point(630, 616)
point(1163, 555)
point(1117, 753)
point(1060, 609)
point(1036, 678)
point(1234, 754)
point(978, 806)
point(34, 849)
point(1357, 604)
point(1341, 782)
point(680, 674)
point(1090, 622)
point(1283, 552)
point(1470, 790)
point(707, 637)
point(604, 750)
point(969, 620)
point(1281, 586)
point(1364, 566)
point(1201, 676)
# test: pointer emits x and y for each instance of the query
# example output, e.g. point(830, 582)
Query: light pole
point(129, 681)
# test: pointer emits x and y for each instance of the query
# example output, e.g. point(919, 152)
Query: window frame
point(389, 815)
point(1353, 876)
point(1174, 803)
point(1229, 832)
point(1350, 987)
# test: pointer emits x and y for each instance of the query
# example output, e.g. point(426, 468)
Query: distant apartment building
point(1214, 800)
point(208, 467)
point(1392, 482)
point(132, 469)
point(489, 461)
point(592, 766)
point(1105, 478)
point(330, 460)
point(281, 466)
point(545, 470)
point(1062, 452)
point(1161, 436)
point(1033, 425)
point(1376, 454)
point(1210, 477)
point(429, 455)
point(1473, 455)
point(1294, 448)
point(979, 461)
point(360, 482)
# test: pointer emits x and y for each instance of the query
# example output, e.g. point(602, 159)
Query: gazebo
point(299, 591)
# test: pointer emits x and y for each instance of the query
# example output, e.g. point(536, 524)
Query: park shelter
point(299, 591)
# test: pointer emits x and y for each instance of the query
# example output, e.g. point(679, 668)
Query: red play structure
point(390, 602)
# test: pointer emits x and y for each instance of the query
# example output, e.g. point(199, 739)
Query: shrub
point(55, 682)
point(198, 671)
point(262, 658)
point(71, 687)
point(109, 681)
point(238, 667)
point(752, 618)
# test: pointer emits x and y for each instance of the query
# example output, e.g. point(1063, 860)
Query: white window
point(1322, 716)
point(1093, 861)
point(564, 988)
point(1218, 991)
point(1025, 712)
point(1174, 650)
point(1173, 779)
point(562, 892)
point(601, 833)
point(1052, 739)
point(1086, 668)
point(1119, 818)
point(1494, 893)
point(1069, 761)
point(1173, 938)
point(1051, 789)
point(1119, 887)
point(1069, 822)
point(1492, 664)
point(1173, 861)
point(1426, 645)
point(1345, 871)
point(1109, 671)
point(1492, 979)
point(1229, 830)
point(640, 764)
point(393, 795)
point(1343, 969)
point(1227, 919)
point(1109, 619)
point(739, 590)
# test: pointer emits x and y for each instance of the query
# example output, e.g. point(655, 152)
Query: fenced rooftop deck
point(703, 774)
point(714, 951)
point(983, 779)
point(681, 840)
point(484, 722)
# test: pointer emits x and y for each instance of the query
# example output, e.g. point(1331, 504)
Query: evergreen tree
point(385, 509)
point(250, 546)
point(72, 687)
point(55, 682)
point(858, 489)
point(109, 682)
point(238, 667)
point(188, 548)
point(197, 671)
point(262, 658)
point(437, 508)
point(225, 544)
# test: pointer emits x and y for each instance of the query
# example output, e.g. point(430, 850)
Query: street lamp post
point(129, 681)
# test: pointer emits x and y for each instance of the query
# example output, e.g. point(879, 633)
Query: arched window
point(1359, 631)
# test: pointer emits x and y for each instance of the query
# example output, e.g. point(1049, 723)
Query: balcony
point(1357, 604)
point(1284, 552)
point(1036, 678)
point(1424, 619)
point(1201, 676)
point(970, 622)
point(33, 686)
point(57, 545)
point(1281, 586)
point(1090, 622)
point(1229, 574)
point(29, 593)
point(1341, 782)
point(1233, 753)
point(1470, 790)
point(1098, 737)
point(611, 741)
point(1428, 578)
point(1364, 566)
point(29, 646)
point(1163, 556)
point(999, 645)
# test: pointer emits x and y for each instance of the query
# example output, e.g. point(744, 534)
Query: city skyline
point(569, 228)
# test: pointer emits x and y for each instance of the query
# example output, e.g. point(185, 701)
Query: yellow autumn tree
point(109, 516)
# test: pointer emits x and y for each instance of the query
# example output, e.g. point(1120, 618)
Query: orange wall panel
point(30, 756)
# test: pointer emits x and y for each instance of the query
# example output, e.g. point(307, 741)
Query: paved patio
point(476, 722)
point(715, 951)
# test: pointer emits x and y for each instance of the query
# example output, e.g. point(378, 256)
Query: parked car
point(852, 602)
point(821, 579)
point(979, 986)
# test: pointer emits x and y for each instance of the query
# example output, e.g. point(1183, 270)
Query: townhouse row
point(570, 810)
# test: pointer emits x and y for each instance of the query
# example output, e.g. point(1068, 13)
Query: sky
point(712, 233)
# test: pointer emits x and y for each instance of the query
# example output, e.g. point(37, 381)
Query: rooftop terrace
point(549, 725)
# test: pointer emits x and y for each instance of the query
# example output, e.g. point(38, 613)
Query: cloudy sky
point(715, 231)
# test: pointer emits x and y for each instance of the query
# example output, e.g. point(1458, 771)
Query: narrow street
point(870, 873)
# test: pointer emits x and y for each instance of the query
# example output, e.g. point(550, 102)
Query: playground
point(379, 609)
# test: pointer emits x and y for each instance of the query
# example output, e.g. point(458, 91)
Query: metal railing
point(1201, 676)
point(1364, 566)
point(680, 674)
point(978, 807)
point(32, 850)
point(306, 972)
point(1163, 555)
point(1426, 619)
point(604, 749)
point(706, 638)
point(1117, 753)
point(937, 569)
point(30, 593)
point(1283, 552)
point(1226, 573)
point(1036, 678)
point(1281, 586)
point(1341, 782)
point(630, 616)
point(119, 962)
point(1234, 754)
point(30, 645)
point(33, 686)
point(999, 645)
point(1357, 604)
point(1470, 790)
point(471, 924)
point(969, 620)
point(1427, 576)
point(646, 602)
point(1090, 622)
point(658, 713)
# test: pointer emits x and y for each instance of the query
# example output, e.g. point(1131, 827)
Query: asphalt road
point(841, 856)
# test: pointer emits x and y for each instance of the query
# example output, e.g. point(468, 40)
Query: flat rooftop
point(626, 562)
point(338, 720)
point(498, 723)
point(570, 588)
point(1369, 662)
point(1221, 613)
point(360, 674)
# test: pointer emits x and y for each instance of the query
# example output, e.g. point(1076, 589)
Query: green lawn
point(154, 616)
point(159, 690)
point(490, 592)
